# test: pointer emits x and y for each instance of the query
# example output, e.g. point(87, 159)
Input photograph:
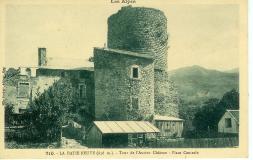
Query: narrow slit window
point(135, 72)
point(82, 90)
point(135, 103)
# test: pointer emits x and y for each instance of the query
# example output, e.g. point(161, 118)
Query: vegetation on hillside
point(202, 121)
point(196, 84)
point(213, 109)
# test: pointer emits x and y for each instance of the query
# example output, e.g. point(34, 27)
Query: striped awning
point(125, 127)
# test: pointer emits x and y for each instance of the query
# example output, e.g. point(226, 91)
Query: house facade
point(229, 122)
point(30, 82)
point(170, 127)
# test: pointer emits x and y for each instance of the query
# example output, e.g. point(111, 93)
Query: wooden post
point(156, 140)
point(144, 139)
point(61, 134)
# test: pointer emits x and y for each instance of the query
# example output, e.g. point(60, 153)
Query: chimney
point(42, 57)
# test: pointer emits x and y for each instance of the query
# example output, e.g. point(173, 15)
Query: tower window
point(135, 72)
point(135, 103)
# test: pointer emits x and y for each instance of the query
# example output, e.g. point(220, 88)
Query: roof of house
point(166, 118)
point(125, 127)
point(234, 114)
point(68, 64)
point(67, 68)
point(129, 53)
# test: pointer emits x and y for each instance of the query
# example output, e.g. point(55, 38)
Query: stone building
point(124, 81)
point(30, 81)
point(129, 79)
point(132, 72)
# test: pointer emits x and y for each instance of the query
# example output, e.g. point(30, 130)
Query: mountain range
point(196, 84)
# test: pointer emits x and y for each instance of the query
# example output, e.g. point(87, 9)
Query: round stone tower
point(144, 31)
point(141, 30)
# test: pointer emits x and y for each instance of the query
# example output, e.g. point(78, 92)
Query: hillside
point(234, 70)
point(197, 84)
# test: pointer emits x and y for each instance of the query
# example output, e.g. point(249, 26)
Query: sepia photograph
point(129, 74)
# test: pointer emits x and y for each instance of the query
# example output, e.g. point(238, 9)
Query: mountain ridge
point(200, 68)
point(197, 84)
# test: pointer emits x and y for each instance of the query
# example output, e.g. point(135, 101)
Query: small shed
point(229, 122)
point(170, 127)
point(109, 134)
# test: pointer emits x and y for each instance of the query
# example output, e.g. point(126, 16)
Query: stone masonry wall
point(144, 30)
point(166, 96)
point(114, 86)
point(141, 30)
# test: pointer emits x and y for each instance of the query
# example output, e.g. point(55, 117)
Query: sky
point(199, 34)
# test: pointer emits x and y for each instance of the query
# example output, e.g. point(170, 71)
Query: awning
point(126, 127)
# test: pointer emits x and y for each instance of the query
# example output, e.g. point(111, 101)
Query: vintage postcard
point(123, 79)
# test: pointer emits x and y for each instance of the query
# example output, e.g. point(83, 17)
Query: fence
point(24, 134)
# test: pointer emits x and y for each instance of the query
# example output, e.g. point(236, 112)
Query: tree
point(51, 109)
point(11, 76)
point(8, 114)
point(187, 112)
point(230, 100)
point(204, 118)
point(213, 109)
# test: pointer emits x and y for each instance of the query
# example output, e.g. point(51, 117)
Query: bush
point(8, 114)
point(51, 109)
